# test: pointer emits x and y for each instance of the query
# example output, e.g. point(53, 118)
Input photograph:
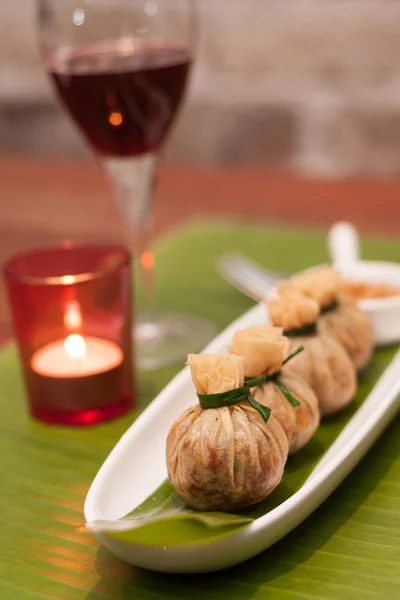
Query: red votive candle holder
point(71, 306)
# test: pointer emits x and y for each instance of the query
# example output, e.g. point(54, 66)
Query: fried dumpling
point(224, 458)
point(340, 316)
point(264, 348)
point(324, 364)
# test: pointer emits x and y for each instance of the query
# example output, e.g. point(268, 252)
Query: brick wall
point(307, 84)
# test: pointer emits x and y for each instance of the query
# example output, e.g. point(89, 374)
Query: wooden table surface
point(44, 201)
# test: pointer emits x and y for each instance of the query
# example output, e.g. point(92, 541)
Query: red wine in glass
point(124, 101)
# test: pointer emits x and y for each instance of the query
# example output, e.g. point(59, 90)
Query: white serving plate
point(136, 467)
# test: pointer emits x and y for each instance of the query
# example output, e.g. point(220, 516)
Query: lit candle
point(76, 356)
point(76, 372)
point(72, 310)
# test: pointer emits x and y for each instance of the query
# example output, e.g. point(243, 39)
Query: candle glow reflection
point(73, 316)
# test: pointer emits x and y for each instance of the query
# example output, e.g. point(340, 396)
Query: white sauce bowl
point(383, 312)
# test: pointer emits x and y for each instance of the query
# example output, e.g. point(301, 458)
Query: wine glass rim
point(11, 273)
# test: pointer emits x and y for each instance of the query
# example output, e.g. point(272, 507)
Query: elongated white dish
point(136, 467)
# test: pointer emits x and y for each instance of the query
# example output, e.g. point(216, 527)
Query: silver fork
point(247, 276)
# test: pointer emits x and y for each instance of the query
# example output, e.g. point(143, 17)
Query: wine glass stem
point(132, 181)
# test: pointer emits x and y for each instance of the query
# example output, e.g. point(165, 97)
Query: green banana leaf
point(160, 517)
point(348, 549)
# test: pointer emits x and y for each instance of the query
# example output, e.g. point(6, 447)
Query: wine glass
point(121, 68)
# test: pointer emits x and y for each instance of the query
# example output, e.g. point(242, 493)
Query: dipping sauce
point(360, 290)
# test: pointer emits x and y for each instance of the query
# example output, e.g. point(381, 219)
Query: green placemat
point(349, 548)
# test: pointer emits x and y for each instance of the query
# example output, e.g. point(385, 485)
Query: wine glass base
point(163, 340)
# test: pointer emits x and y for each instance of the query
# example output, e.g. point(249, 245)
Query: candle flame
point(73, 316)
point(147, 260)
point(75, 346)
